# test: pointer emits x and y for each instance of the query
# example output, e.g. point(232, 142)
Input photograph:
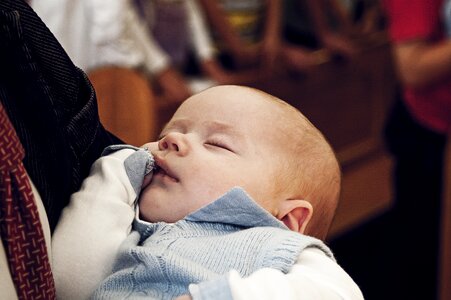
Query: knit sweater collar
point(235, 207)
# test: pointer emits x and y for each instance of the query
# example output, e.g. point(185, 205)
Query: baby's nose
point(176, 142)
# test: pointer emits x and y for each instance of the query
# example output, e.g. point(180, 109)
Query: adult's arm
point(272, 34)
point(422, 57)
point(119, 32)
point(336, 42)
point(421, 63)
point(201, 38)
point(156, 61)
point(219, 23)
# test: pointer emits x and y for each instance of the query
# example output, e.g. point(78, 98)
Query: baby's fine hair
point(310, 169)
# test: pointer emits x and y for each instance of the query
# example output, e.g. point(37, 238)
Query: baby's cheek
point(147, 180)
point(145, 206)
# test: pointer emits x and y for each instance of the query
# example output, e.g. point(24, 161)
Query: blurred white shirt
point(98, 33)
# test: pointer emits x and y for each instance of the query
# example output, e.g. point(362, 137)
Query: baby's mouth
point(162, 170)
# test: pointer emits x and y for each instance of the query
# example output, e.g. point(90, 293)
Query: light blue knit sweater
point(160, 260)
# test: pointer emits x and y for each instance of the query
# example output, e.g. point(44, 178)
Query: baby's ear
point(295, 214)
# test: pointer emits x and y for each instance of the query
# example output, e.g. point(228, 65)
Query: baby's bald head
point(230, 136)
point(309, 169)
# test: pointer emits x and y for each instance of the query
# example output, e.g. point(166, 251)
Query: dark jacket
point(51, 104)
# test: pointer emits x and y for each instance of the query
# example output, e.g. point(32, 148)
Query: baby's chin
point(147, 217)
point(152, 219)
point(145, 214)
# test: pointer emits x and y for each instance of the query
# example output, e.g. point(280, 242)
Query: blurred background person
point(98, 33)
point(179, 29)
point(297, 34)
point(247, 33)
point(163, 38)
point(319, 25)
point(416, 136)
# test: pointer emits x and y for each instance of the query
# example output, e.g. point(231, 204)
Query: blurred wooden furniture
point(445, 259)
point(126, 104)
point(349, 101)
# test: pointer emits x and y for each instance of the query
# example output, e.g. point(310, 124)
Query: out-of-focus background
point(332, 59)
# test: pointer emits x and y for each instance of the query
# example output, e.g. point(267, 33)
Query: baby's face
point(219, 139)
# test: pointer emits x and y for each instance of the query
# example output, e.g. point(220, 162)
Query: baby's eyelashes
point(218, 145)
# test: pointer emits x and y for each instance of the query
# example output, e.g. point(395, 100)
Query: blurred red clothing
point(422, 19)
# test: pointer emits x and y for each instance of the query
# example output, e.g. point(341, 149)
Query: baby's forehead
point(240, 98)
point(233, 104)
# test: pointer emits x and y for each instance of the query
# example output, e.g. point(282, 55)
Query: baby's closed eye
point(216, 143)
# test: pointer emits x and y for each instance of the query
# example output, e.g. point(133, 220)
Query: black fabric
point(418, 186)
point(51, 104)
